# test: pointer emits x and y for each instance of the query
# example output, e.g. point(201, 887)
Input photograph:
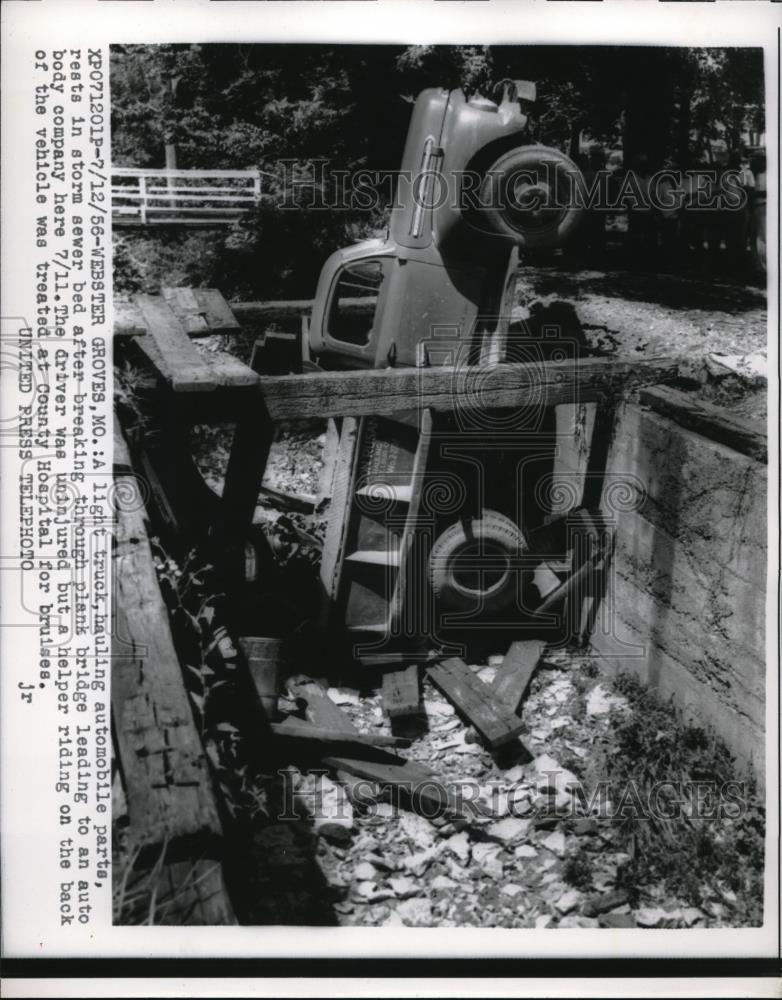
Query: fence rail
point(183, 197)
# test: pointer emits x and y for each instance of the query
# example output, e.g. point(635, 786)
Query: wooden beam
point(250, 447)
point(296, 729)
point(287, 309)
point(419, 782)
point(401, 692)
point(477, 701)
point(177, 360)
point(382, 392)
point(746, 436)
point(515, 672)
point(201, 310)
point(169, 350)
point(165, 772)
point(321, 710)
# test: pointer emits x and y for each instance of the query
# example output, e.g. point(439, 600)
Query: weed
point(130, 387)
point(589, 668)
point(577, 871)
point(690, 842)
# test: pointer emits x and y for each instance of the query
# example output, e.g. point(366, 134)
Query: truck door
point(356, 303)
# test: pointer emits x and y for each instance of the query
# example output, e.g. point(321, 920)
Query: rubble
point(487, 858)
point(503, 864)
point(568, 901)
point(554, 842)
point(415, 912)
point(595, 905)
point(509, 829)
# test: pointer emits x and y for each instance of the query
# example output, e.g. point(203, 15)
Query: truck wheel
point(529, 195)
point(471, 563)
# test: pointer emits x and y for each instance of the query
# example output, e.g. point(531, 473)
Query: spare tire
point(529, 195)
point(473, 564)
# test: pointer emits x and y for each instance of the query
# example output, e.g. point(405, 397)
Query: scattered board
point(515, 672)
point(388, 770)
point(477, 701)
point(401, 692)
point(296, 729)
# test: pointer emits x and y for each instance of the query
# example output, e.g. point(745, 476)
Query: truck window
point(354, 302)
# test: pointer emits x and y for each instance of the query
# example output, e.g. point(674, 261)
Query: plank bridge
point(182, 197)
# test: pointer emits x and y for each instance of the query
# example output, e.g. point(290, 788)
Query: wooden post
point(250, 448)
point(171, 148)
point(142, 190)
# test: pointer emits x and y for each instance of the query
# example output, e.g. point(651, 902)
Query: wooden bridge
point(182, 197)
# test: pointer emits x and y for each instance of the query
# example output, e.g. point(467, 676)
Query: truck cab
point(472, 192)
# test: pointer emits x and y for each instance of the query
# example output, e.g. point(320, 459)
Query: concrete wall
point(685, 602)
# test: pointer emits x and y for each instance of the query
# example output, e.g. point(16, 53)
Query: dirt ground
point(717, 328)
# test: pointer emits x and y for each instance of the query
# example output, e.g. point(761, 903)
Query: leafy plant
point(577, 871)
point(689, 840)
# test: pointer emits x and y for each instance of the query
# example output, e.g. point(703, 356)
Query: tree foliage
point(237, 106)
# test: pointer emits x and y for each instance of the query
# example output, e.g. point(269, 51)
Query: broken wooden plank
point(166, 777)
point(296, 729)
point(201, 311)
point(749, 437)
point(321, 710)
point(515, 672)
point(385, 391)
point(477, 701)
point(401, 692)
point(423, 787)
point(579, 582)
point(219, 315)
point(176, 359)
point(185, 307)
point(169, 349)
point(415, 780)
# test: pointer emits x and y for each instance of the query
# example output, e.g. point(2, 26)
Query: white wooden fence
point(183, 197)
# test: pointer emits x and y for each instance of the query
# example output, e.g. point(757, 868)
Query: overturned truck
point(428, 529)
